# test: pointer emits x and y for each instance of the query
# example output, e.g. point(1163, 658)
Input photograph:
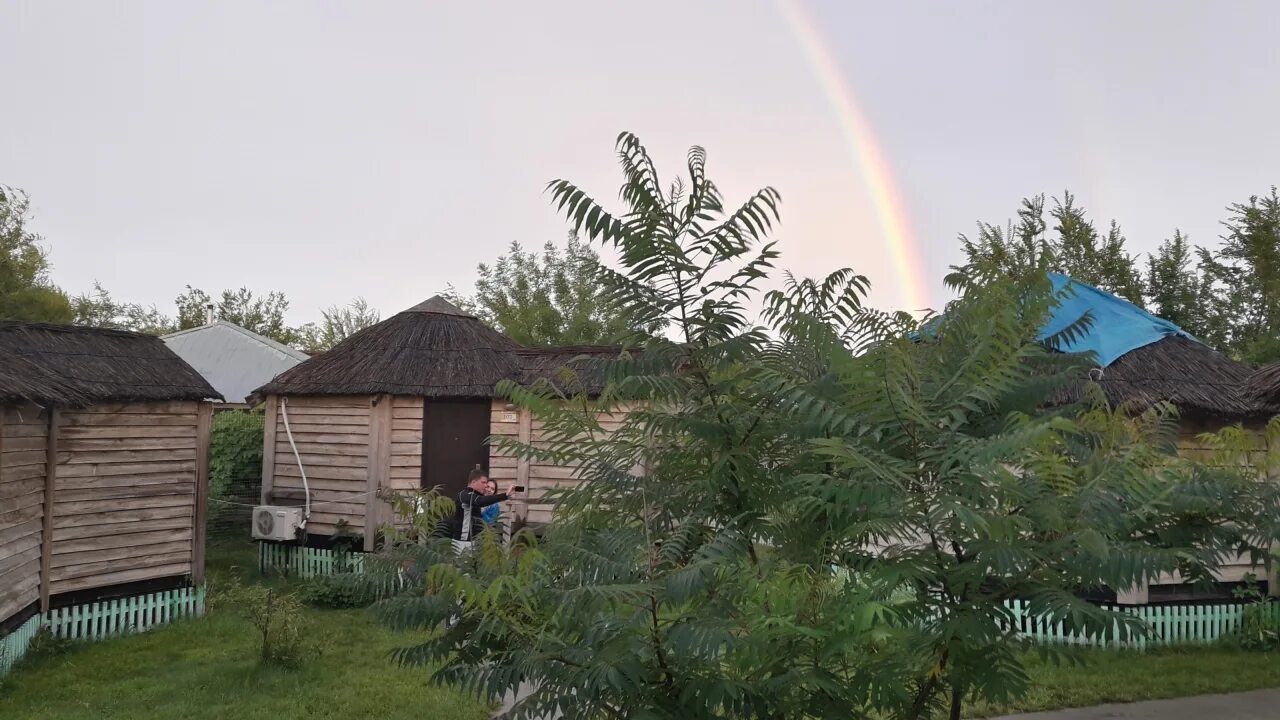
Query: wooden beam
point(376, 510)
point(199, 534)
point(269, 447)
point(46, 537)
point(524, 433)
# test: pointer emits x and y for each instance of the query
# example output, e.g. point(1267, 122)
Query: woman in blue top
point(490, 513)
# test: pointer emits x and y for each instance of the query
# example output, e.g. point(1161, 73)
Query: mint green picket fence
point(102, 620)
point(1168, 625)
point(125, 616)
point(14, 645)
point(305, 562)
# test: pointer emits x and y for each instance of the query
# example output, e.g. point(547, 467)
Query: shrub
point(235, 451)
point(338, 592)
point(278, 617)
point(1260, 620)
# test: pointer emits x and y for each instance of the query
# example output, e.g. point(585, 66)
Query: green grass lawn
point(1110, 677)
point(208, 668)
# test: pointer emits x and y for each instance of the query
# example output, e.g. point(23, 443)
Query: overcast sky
point(382, 149)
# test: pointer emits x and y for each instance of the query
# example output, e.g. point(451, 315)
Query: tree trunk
point(957, 700)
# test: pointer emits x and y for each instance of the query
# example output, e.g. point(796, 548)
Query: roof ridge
point(276, 345)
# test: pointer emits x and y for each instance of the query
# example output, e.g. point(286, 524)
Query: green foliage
point(817, 519)
point(548, 299)
point(338, 592)
point(100, 309)
point(277, 615)
point(1226, 296)
point(235, 451)
point(338, 324)
point(1075, 249)
point(263, 314)
point(1173, 286)
point(1243, 278)
point(1260, 619)
point(26, 293)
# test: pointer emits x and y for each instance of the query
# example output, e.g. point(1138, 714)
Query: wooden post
point(379, 474)
point(524, 432)
point(46, 536)
point(204, 427)
point(269, 447)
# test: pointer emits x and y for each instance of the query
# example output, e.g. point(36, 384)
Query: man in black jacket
point(467, 523)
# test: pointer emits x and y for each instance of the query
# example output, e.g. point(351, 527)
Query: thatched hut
point(103, 449)
point(1146, 360)
point(405, 404)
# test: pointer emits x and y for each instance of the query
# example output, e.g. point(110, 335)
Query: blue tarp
point(1118, 326)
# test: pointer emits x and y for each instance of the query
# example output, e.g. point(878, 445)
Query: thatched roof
point(1263, 387)
point(433, 349)
point(76, 366)
point(24, 381)
point(1197, 379)
point(574, 368)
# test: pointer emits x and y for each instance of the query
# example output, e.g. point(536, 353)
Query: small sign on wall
point(510, 417)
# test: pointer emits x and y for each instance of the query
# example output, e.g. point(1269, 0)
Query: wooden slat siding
point(543, 477)
point(524, 430)
point(50, 509)
point(22, 433)
point(332, 435)
point(405, 472)
point(204, 426)
point(126, 492)
point(1190, 445)
point(377, 511)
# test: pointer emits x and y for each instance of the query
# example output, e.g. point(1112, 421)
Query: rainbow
point(891, 212)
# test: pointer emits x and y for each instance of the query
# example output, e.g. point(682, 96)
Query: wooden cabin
point(103, 467)
point(406, 404)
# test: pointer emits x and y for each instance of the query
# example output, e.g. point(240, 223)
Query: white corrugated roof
point(233, 360)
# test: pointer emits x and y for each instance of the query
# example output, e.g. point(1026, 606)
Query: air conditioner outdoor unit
point(271, 522)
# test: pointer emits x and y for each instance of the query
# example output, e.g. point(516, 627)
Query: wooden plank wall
point(1191, 445)
point(406, 443)
point(23, 436)
point(537, 477)
point(332, 434)
point(124, 494)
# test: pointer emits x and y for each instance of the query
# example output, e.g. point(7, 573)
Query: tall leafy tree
point(1243, 278)
point(818, 519)
point(338, 323)
point(1074, 248)
point(100, 308)
point(263, 314)
point(26, 292)
point(1173, 286)
point(550, 298)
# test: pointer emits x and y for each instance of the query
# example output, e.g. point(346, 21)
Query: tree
point(1243, 279)
point(100, 309)
point(26, 293)
point(1173, 286)
point(263, 314)
point(338, 324)
point(823, 519)
point(547, 299)
point(1076, 249)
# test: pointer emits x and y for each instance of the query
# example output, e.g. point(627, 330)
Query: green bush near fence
point(342, 591)
point(235, 452)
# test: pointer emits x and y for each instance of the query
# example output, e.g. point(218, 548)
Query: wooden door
point(454, 441)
